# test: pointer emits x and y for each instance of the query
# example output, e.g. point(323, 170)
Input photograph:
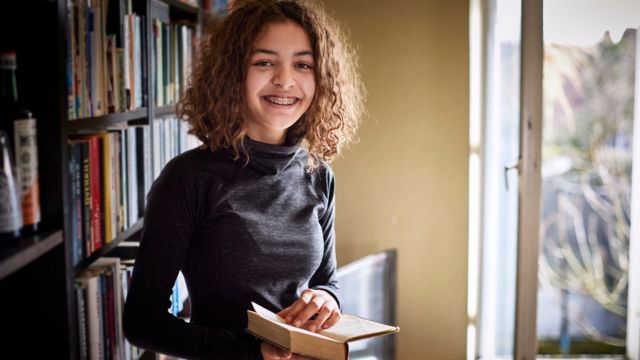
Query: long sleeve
point(325, 277)
point(170, 218)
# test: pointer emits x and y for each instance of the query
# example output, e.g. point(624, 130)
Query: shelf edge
point(23, 257)
point(106, 248)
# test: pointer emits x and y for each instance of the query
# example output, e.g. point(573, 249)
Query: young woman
point(274, 95)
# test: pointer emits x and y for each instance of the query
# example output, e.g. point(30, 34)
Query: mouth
point(281, 100)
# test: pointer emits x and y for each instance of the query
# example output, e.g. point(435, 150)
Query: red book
point(95, 179)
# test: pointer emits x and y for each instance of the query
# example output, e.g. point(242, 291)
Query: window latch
point(507, 168)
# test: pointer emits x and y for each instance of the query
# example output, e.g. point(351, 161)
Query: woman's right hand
point(270, 352)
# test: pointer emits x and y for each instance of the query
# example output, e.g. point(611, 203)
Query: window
point(587, 291)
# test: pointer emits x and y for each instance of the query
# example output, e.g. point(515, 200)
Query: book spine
point(96, 202)
point(140, 166)
point(86, 198)
point(138, 60)
point(75, 186)
point(118, 177)
point(165, 63)
point(94, 318)
point(144, 91)
point(103, 40)
point(110, 67)
point(132, 179)
point(132, 67)
point(124, 177)
point(113, 194)
point(82, 321)
point(106, 185)
point(160, 59)
point(90, 64)
point(69, 59)
point(81, 67)
point(126, 64)
point(148, 178)
point(121, 74)
point(156, 148)
point(111, 316)
point(118, 305)
point(104, 329)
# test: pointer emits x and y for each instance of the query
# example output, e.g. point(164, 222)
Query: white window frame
point(531, 98)
point(531, 59)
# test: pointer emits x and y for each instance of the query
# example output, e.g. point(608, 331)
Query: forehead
point(286, 36)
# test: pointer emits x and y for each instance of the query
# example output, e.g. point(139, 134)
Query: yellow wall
point(404, 185)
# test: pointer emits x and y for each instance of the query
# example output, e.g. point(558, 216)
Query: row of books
point(101, 76)
point(173, 46)
point(171, 138)
point(100, 293)
point(110, 175)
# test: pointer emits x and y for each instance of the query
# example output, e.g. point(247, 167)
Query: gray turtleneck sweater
point(260, 231)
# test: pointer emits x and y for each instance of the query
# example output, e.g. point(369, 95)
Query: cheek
point(251, 84)
point(310, 88)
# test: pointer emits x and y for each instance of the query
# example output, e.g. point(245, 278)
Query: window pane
point(589, 72)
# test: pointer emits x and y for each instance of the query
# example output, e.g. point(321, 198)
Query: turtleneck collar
point(269, 158)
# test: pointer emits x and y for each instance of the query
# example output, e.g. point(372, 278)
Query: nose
point(283, 77)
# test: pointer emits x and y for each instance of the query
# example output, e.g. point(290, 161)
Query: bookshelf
point(38, 273)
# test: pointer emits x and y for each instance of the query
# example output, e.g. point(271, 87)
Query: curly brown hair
point(214, 101)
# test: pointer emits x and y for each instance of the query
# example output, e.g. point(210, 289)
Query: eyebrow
point(271, 52)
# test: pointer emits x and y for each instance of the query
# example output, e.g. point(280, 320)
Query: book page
point(268, 314)
point(351, 327)
point(274, 318)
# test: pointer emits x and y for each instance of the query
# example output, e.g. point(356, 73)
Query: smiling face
point(280, 82)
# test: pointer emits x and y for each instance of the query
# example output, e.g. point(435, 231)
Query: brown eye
point(263, 63)
point(304, 66)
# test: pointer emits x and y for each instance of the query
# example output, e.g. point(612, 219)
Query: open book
point(329, 344)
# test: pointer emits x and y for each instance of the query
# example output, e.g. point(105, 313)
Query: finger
point(283, 313)
point(324, 314)
point(299, 305)
point(312, 308)
point(332, 320)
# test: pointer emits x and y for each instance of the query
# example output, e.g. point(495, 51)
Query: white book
point(132, 178)
point(94, 318)
point(138, 60)
point(127, 65)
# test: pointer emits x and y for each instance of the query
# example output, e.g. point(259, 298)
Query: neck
point(269, 137)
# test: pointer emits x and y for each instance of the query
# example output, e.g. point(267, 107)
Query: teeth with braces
point(280, 101)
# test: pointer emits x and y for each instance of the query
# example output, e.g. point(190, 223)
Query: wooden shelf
point(20, 253)
point(127, 235)
point(164, 110)
point(107, 122)
point(177, 5)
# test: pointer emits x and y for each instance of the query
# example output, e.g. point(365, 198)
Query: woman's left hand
point(318, 303)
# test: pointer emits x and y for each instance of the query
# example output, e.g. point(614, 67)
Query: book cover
point(330, 344)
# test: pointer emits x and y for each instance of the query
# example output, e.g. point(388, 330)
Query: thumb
point(284, 354)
